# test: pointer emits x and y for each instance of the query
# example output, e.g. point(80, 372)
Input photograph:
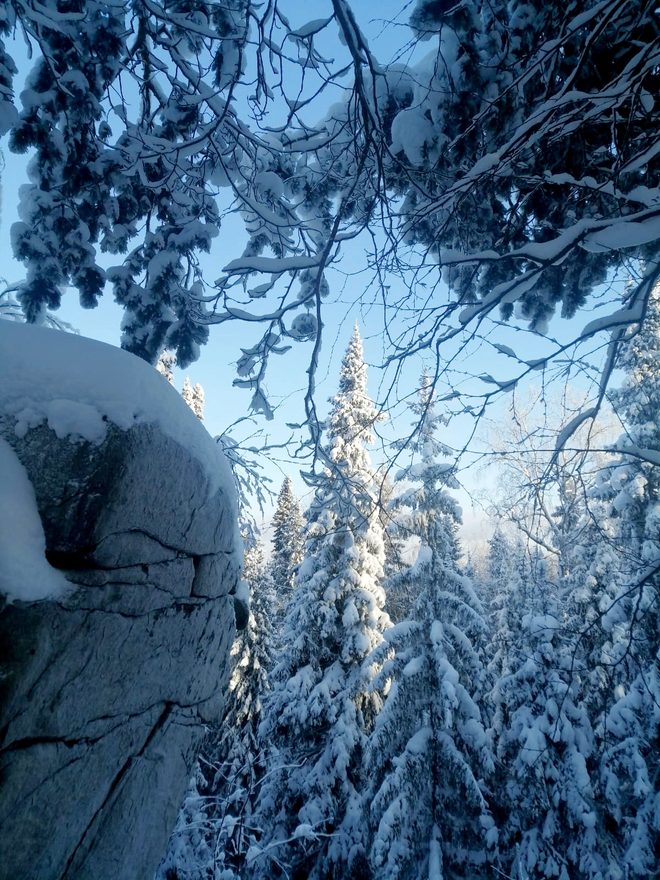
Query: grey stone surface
point(104, 694)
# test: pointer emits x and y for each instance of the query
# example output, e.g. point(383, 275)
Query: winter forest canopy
point(419, 716)
point(507, 173)
point(396, 709)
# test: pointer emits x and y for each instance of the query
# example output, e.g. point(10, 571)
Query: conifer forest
point(446, 215)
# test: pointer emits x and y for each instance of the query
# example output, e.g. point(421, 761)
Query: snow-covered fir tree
point(399, 599)
point(166, 364)
point(511, 587)
point(322, 702)
point(497, 588)
point(495, 593)
point(498, 559)
point(510, 593)
point(194, 397)
point(192, 394)
point(429, 756)
point(625, 580)
point(545, 742)
point(216, 826)
point(287, 543)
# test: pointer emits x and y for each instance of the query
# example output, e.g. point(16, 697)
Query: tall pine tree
point(287, 543)
point(545, 749)
point(429, 754)
point(322, 704)
point(626, 582)
point(194, 397)
point(500, 577)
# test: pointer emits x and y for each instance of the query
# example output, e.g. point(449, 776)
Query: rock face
point(104, 694)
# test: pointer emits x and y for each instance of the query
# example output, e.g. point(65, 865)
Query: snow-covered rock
point(106, 682)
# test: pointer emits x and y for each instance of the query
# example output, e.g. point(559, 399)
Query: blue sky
point(216, 368)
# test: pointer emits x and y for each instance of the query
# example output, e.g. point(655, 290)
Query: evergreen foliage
point(497, 595)
point(166, 364)
point(429, 754)
point(287, 542)
point(521, 152)
point(625, 577)
point(545, 749)
point(322, 704)
point(398, 592)
point(519, 164)
point(194, 397)
point(69, 203)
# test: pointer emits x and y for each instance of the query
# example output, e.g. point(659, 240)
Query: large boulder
point(106, 687)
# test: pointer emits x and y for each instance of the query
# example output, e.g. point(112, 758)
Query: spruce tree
point(505, 651)
point(545, 742)
point(498, 562)
point(321, 704)
point(194, 397)
point(429, 755)
point(626, 583)
point(498, 590)
point(287, 543)
point(166, 364)
point(399, 599)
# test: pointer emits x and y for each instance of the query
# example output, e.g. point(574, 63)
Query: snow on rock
point(106, 693)
point(24, 572)
point(79, 387)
